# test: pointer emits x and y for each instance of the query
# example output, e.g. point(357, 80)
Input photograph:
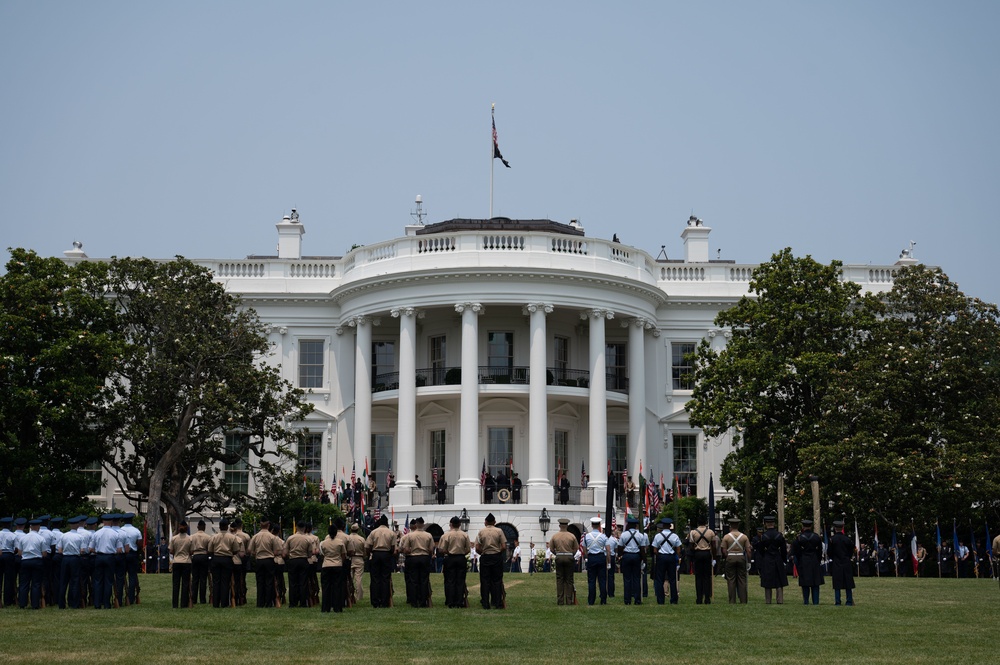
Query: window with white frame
point(384, 375)
point(93, 477)
point(237, 474)
point(311, 363)
point(438, 358)
point(437, 453)
point(617, 366)
point(560, 348)
point(500, 451)
point(381, 458)
point(618, 455)
point(311, 456)
point(682, 365)
point(560, 440)
point(686, 462)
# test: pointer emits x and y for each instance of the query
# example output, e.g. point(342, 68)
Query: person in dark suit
point(516, 485)
point(564, 490)
point(808, 552)
point(841, 565)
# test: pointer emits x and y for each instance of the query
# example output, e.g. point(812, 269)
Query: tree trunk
point(164, 466)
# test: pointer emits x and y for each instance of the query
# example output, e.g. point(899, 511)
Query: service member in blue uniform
point(595, 544)
point(70, 547)
point(632, 547)
point(665, 546)
point(106, 545)
point(8, 566)
point(31, 548)
point(133, 557)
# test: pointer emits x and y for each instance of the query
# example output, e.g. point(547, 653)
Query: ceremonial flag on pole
point(305, 486)
point(989, 543)
point(434, 477)
point(876, 536)
point(913, 549)
point(406, 524)
point(496, 146)
point(354, 476)
point(711, 503)
point(583, 475)
point(482, 474)
point(610, 504)
point(367, 475)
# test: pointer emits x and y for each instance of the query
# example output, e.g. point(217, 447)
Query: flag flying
point(434, 477)
point(583, 475)
point(857, 538)
point(482, 474)
point(913, 549)
point(388, 474)
point(354, 476)
point(305, 486)
point(876, 536)
point(609, 507)
point(496, 146)
point(367, 475)
point(406, 524)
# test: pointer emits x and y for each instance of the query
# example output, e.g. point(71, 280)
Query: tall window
point(311, 456)
point(311, 363)
point(381, 458)
point(237, 474)
point(93, 477)
point(561, 353)
point(686, 461)
point(681, 366)
point(561, 440)
point(501, 450)
point(617, 455)
point(439, 359)
point(437, 453)
point(384, 364)
point(617, 366)
point(500, 354)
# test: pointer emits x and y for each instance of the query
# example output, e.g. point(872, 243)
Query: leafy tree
point(915, 414)
point(193, 390)
point(788, 349)
point(57, 348)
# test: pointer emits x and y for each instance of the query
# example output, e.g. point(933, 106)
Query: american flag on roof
point(496, 146)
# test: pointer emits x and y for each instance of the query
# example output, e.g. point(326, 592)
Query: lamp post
point(544, 521)
point(464, 520)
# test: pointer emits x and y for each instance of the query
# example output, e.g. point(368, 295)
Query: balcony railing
point(515, 375)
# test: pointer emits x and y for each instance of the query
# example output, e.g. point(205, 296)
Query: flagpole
point(492, 159)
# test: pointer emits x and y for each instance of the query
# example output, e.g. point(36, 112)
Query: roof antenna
point(663, 253)
point(419, 213)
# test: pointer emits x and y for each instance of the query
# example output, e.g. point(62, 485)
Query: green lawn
point(895, 621)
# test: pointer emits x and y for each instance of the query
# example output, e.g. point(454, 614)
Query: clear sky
point(841, 129)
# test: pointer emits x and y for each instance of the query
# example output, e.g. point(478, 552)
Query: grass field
point(895, 621)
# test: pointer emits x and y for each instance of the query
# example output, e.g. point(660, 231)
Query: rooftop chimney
point(695, 237)
point(290, 236)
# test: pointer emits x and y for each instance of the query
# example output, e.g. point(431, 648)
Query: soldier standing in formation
point(771, 559)
point(564, 547)
point(841, 564)
point(595, 543)
point(224, 548)
point(335, 551)
point(380, 547)
point(455, 546)
point(807, 549)
point(357, 563)
point(632, 547)
point(491, 543)
point(264, 548)
point(418, 546)
point(180, 549)
point(665, 546)
point(199, 564)
point(705, 544)
point(736, 547)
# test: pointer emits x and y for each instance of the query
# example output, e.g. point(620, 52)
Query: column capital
point(639, 322)
point(397, 312)
point(362, 320)
point(597, 313)
point(474, 306)
point(532, 307)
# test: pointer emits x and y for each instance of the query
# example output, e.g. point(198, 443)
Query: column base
point(401, 496)
point(540, 495)
point(468, 495)
point(600, 496)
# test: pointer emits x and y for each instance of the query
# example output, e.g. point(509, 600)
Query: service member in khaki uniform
point(335, 552)
point(223, 547)
point(180, 549)
point(456, 546)
point(491, 545)
point(357, 562)
point(199, 564)
point(736, 547)
point(380, 546)
point(298, 549)
point(418, 546)
point(263, 549)
point(240, 571)
point(705, 544)
point(564, 546)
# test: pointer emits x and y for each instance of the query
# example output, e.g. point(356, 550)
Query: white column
point(637, 395)
point(362, 388)
point(467, 488)
point(406, 431)
point(598, 404)
point(539, 485)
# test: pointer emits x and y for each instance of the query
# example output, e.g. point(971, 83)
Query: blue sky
point(841, 129)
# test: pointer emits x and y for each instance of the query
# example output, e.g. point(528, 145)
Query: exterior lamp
point(464, 520)
point(544, 521)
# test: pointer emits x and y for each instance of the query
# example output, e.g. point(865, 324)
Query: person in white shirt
point(533, 552)
point(515, 559)
point(596, 545)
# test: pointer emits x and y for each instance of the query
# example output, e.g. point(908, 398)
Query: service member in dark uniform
point(808, 552)
point(771, 561)
point(491, 543)
point(841, 565)
point(8, 568)
point(456, 546)
point(665, 546)
point(564, 490)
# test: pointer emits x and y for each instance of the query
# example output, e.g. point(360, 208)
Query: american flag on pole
point(496, 146)
point(583, 474)
point(354, 476)
point(482, 474)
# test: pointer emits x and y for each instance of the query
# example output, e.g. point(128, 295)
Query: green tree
point(57, 348)
point(788, 348)
point(193, 390)
point(915, 414)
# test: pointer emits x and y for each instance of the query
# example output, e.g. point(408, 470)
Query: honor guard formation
point(96, 562)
